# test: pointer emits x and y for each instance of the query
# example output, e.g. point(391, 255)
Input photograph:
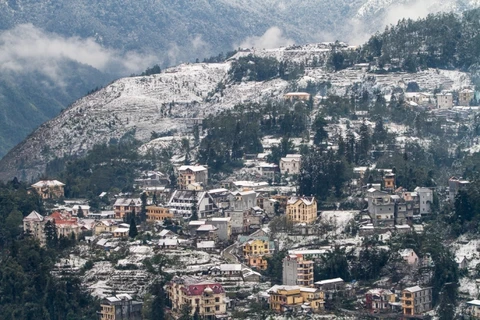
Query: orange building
point(155, 213)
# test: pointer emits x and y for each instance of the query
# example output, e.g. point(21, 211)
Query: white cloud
point(412, 10)
point(26, 48)
point(272, 38)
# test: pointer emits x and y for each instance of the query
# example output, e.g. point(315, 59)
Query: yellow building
point(104, 226)
point(302, 210)
point(256, 250)
point(49, 189)
point(295, 298)
point(188, 175)
point(416, 300)
point(155, 213)
point(208, 299)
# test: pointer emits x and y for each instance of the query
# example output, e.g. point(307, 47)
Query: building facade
point(295, 298)
point(155, 213)
point(302, 210)
point(207, 299)
point(290, 164)
point(49, 189)
point(188, 175)
point(124, 206)
point(297, 271)
point(416, 300)
point(120, 307)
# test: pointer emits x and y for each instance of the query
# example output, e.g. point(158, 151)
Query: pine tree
point(51, 235)
point(143, 210)
point(80, 212)
point(194, 208)
point(133, 232)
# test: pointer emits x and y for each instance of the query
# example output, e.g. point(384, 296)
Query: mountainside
point(168, 103)
point(127, 36)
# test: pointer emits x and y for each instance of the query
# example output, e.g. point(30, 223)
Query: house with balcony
point(379, 299)
point(416, 300)
point(297, 271)
point(295, 299)
point(181, 204)
point(124, 206)
point(207, 299)
point(188, 175)
point(255, 250)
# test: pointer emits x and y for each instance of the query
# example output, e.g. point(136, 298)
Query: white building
point(290, 164)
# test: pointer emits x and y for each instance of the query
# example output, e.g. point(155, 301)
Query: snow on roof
point(121, 230)
point(275, 288)
point(196, 222)
point(250, 184)
point(47, 183)
point(127, 202)
point(221, 219)
point(307, 252)
point(219, 190)
point(165, 232)
point(305, 289)
point(306, 200)
point(329, 281)
point(231, 267)
point(402, 226)
point(205, 244)
point(414, 289)
point(207, 227)
point(192, 168)
point(34, 216)
point(243, 193)
point(266, 165)
point(379, 291)
point(474, 303)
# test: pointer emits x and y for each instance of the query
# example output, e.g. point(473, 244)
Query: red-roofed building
point(206, 298)
point(65, 223)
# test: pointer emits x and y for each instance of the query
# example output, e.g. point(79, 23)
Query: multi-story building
point(242, 200)
point(224, 227)
point(297, 271)
point(120, 307)
point(267, 170)
point(455, 185)
point(416, 300)
point(290, 164)
point(444, 100)
point(389, 181)
point(465, 96)
point(302, 210)
point(155, 213)
point(381, 207)
point(192, 174)
point(49, 189)
point(256, 250)
point(331, 287)
point(34, 224)
point(295, 298)
point(379, 299)
point(207, 299)
point(425, 198)
point(181, 204)
point(66, 224)
point(125, 206)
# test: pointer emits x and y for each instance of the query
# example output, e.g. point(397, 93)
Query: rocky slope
point(167, 103)
point(137, 33)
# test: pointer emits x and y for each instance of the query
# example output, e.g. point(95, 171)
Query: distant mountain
point(168, 103)
point(133, 34)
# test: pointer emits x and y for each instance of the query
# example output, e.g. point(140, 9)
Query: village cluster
point(218, 243)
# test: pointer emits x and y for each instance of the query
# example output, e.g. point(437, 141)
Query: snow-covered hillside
point(171, 101)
